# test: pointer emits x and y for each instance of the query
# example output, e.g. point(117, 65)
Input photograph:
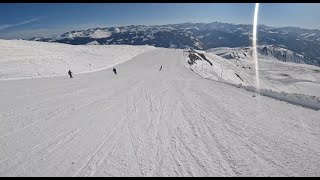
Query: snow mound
point(306, 101)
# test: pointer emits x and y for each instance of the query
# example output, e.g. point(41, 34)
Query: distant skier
point(70, 74)
point(160, 68)
point(114, 70)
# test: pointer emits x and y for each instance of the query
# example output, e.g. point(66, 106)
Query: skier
point(160, 68)
point(114, 70)
point(70, 74)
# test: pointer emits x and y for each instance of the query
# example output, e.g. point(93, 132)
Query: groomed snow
point(146, 122)
point(25, 59)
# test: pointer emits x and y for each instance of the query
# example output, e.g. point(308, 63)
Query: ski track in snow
point(145, 122)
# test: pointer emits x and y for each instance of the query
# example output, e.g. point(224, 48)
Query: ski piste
point(147, 123)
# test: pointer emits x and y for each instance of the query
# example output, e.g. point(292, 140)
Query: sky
point(26, 20)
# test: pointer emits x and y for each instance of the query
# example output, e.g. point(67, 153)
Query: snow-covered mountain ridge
point(201, 36)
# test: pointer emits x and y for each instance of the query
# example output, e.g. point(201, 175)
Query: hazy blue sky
point(35, 19)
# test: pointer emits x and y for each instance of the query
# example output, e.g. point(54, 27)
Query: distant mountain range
point(202, 36)
point(264, 52)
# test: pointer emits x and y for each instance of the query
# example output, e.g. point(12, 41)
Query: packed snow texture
point(146, 122)
point(21, 59)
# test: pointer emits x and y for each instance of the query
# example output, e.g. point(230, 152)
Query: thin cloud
point(48, 32)
point(6, 26)
point(27, 34)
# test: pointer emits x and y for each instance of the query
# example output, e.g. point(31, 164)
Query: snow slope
point(146, 122)
point(273, 74)
point(33, 59)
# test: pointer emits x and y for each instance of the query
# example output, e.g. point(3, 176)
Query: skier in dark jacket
point(70, 74)
point(114, 70)
point(160, 68)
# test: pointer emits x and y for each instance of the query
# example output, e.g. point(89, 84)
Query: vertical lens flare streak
point(254, 43)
